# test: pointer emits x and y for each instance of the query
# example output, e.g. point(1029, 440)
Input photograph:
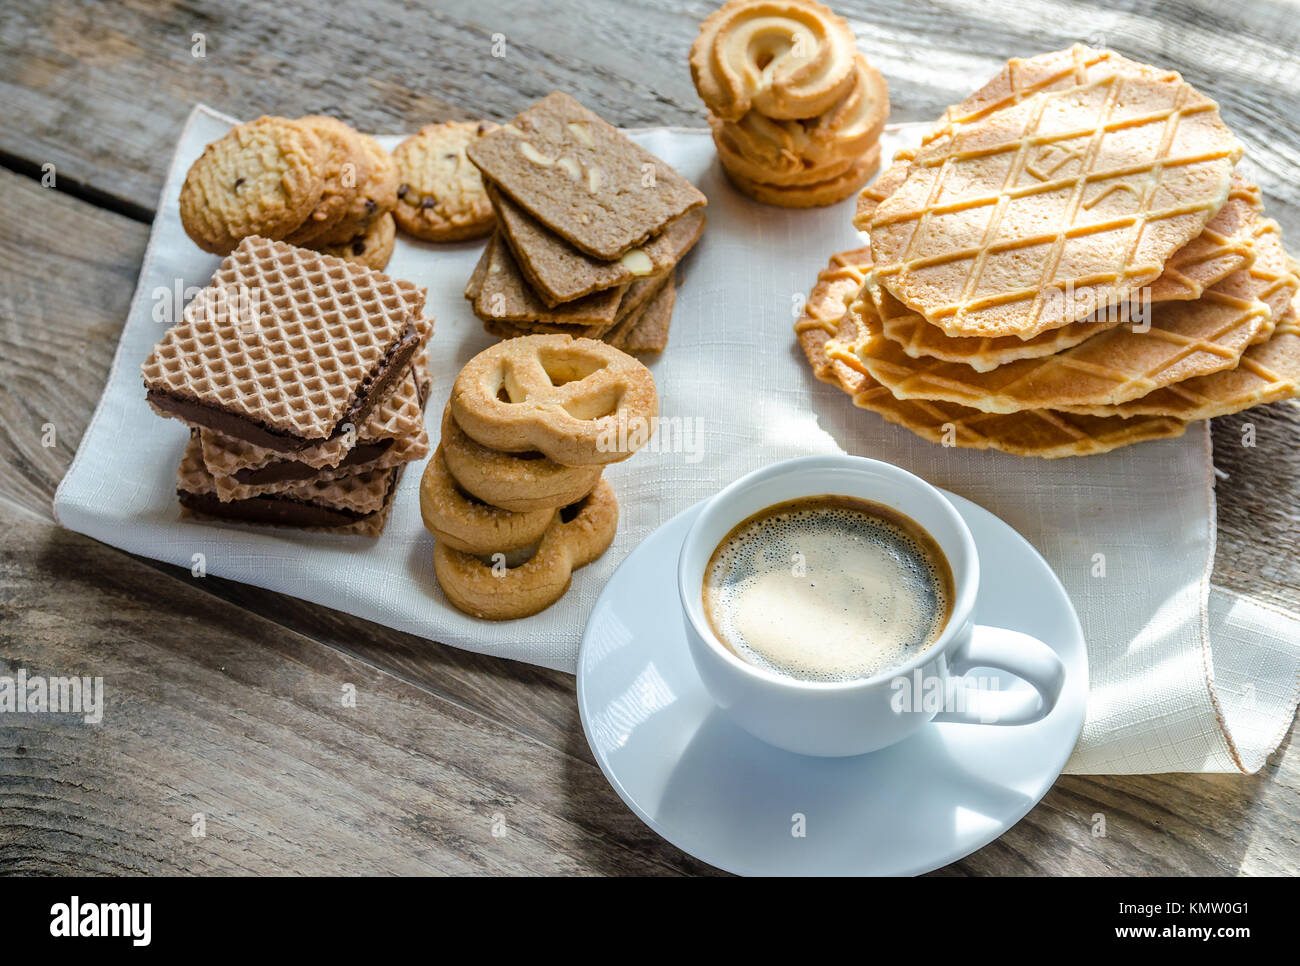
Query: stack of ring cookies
point(514, 494)
point(796, 111)
point(313, 182)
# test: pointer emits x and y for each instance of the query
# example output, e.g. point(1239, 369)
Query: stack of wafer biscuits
point(312, 181)
point(302, 378)
point(589, 230)
point(796, 111)
point(514, 493)
point(1070, 262)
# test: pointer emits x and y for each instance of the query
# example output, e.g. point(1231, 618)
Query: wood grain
point(100, 89)
point(226, 699)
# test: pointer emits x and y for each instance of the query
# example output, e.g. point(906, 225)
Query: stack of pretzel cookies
point(514, 494)
point(796, 111)
point(1070, 262)
point(313, 182)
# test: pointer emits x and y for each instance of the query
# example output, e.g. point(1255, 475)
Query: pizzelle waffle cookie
point(1020, 78)
point(1223, 248)
point(1050, 209)
point(590, 228)
point(514, 494)
point(1268, 371)
point(1185, 339)
point(796, 112)
point(1011, 350)
point(311, 181)
point(834, 320)
point(303, 379)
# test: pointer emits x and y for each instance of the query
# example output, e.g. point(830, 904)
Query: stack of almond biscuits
point(514, 493)
point(589, 229)
point(1070, 262)
point(302, 378)
point(796, 111)
point(313, 182)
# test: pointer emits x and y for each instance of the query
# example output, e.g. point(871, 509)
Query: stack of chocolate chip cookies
point(514, 494)
point(313, 182)
point(796, 111)
point(302, 378)
point(589, 229)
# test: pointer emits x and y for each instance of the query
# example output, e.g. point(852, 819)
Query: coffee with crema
point(828, 588)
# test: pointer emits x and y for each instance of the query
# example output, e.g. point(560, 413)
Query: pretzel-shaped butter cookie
point(786, 58)
point(578, 401)
point(463, 523)
point(576, 536)
point(512, 481)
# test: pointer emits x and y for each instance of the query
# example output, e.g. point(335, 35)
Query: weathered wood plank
point(101, 89)
point(1259, 524)
point(211, 710)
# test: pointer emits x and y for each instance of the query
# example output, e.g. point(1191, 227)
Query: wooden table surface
point(225, 698)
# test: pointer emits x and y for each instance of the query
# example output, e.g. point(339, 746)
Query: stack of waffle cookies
point(302, 378)
point(1070, 262)
point(589, 230)
point(514, 493)
point(796, 111)
point(311, 181)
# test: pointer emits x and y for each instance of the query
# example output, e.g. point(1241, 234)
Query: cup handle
point(1026, 657)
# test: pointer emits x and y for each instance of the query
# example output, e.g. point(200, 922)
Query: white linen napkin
point(1130, 533)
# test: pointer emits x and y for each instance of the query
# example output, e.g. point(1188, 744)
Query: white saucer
point(729, 799)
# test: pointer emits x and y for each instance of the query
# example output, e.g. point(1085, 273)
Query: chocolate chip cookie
point(372, 249)
point(347, 168)
point(440, 194)
point(262, 178)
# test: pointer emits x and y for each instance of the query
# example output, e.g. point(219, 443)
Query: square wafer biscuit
point(362, 459)
point(400, 416)
point(357, 503)
point(285, 347)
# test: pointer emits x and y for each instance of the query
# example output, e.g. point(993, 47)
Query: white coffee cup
point(854, 717)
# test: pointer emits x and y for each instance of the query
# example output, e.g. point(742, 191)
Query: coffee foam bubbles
point(826, 589)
